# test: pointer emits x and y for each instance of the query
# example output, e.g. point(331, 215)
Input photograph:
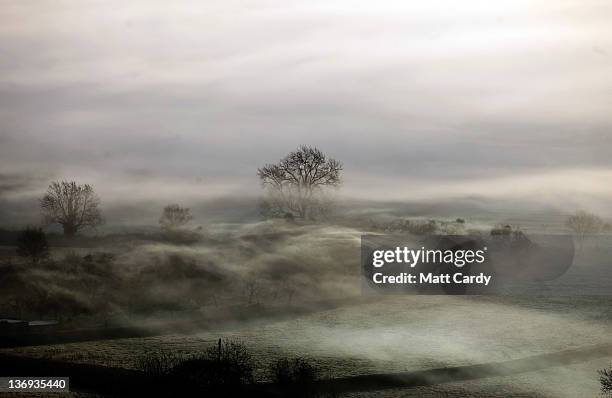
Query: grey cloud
point(432, 91)
point(17, 182)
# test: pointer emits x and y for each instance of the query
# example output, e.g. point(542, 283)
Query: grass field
point(406, 333)
point(385, 335)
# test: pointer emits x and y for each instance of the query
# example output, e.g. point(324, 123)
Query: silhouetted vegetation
point(158, 363)
point(296, 184)
point(295, 376)
point(583, 223)
point(173, 222)
point(174, 217)
point(415, 227)
point(226, 366)
point(605, 379)
point(71, 205)
point(32, 243)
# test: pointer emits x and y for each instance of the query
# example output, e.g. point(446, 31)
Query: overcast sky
point(143, 98)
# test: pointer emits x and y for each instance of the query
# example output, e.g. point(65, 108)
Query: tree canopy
point(73, 206)
point(32, 243)
point(297, 181)
point(174, 217)
point(584, 223)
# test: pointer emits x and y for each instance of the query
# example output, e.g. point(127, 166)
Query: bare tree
point(71, 205)
point(174, 217)
point(584, 223)
point(296, 184)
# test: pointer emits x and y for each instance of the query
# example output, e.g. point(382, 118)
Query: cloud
point(432, 91)
point(19, 183)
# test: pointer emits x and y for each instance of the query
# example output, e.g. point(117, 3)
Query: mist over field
point(184, 188)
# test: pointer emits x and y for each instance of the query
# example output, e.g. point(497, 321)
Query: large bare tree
point(297, 183)
point(73, 206)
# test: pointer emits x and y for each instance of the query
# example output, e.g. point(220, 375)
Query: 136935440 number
point(34, 383)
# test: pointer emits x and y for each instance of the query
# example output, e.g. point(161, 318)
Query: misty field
point(399, 334)
point(211, 198)
point(277, 265)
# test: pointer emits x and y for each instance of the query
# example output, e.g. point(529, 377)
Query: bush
point(211, 375)
point(407, 226)
point(298, 377)
point(71, 262)
point(294, 372)
point(32, 243)
point(158, 363)
point(233, 360)
point(227, 366)
point(605, 379)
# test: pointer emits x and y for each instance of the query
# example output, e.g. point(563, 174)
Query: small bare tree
point(174, 217)
point(584, 223)
point(73, 206)
point(296, 184)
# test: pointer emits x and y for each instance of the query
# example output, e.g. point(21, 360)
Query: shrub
point(605, 379)
point(294, 372)
point(32, 243)
point(413, 227)
point(298, 377)
point(71, 261)
point(428, 228)
point(233, 360)
point(158, 363)
point(227, 366)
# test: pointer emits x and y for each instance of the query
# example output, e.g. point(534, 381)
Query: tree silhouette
point(174, 217)
point(73, 206)
point(605, 380)
point(584, 223)
point(296, 184)
point(32, 243)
